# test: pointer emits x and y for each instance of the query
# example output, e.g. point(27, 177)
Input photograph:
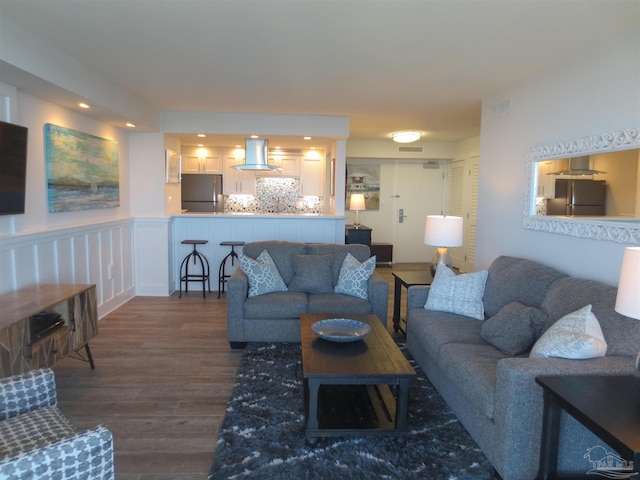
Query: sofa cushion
point(33, 429)
point(312, 273)
point(577, 335)
point(461, 294)
point(472, 369)
point(337, 304)
point(514, 328)
point(262, 274)
point(276, 305)
point(513, 279)
point(621, 333)
point(354, 276)
point(436, 329)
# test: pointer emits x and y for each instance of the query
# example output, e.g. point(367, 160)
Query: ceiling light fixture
point(132, 125)
point(406, 137)
point(83, 105)
point(201, 135)
point(306, 138)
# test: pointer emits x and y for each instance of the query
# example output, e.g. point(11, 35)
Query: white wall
point(589, 94)
point(89, 246)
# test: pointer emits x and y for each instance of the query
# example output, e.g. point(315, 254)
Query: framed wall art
point(173, 166)
point(83, 171)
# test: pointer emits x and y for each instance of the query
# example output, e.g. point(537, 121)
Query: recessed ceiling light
point(83, 105)
point(201, 135)
point(406, 137)
point(307, 138)
point(255, 136)
point(132, 125)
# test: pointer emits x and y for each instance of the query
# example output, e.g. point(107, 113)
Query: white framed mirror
point(611, 159)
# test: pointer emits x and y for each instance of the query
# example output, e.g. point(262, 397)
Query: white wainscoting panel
point(100, 253)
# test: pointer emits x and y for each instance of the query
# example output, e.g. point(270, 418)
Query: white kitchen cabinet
point(194, 161)
point(312, 176)
point(288, 165)
point(546, 182)
point(237, 181)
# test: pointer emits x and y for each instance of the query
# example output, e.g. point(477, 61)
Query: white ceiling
point(388, 65)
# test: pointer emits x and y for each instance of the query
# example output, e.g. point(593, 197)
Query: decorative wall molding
point(100, 253)
point(606, 142)
point(625, 231)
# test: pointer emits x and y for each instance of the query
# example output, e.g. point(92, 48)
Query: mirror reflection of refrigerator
point(202, 193)
point(578, 197)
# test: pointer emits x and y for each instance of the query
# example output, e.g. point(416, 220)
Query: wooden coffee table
point(349, 387)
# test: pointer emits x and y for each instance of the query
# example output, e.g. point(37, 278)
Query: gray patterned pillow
point(354, 276)
point(461, 294)
point(262, 274)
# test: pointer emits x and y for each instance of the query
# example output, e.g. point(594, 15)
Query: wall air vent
point(431, 164)
point(406, 148)
point(499, 109)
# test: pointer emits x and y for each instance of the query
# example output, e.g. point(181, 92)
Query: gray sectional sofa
point(495, 395)
point(275, 317)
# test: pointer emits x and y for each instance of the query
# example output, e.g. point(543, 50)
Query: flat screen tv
point(13, 168)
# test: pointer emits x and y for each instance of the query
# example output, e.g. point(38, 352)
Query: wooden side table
point(608, 405)
point(406, 279)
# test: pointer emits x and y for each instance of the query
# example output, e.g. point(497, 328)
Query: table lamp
point(357, 203)
point(442, 232)
point(628, 297)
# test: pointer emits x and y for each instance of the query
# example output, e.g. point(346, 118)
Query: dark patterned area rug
point(262, 435)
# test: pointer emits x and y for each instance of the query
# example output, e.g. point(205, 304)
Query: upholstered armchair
point(37, 441)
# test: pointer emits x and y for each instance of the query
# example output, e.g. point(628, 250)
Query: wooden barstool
point(222, 276)
point(187, 277)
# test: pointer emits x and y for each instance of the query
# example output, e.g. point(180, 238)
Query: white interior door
point(419, 192)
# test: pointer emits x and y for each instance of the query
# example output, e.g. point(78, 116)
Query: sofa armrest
point(417, 296)
point(378, 295)
point(88, 454)
point(237, 292)
point(27, 391)
point(519, 400)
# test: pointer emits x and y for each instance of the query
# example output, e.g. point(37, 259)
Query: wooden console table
point(76, 305)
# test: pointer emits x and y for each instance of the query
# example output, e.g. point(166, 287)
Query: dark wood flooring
point(164, 372)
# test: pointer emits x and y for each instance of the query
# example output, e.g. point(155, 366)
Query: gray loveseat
point(494, 395)
point(275, 317)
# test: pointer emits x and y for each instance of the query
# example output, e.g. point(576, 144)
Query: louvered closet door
point(455, 204)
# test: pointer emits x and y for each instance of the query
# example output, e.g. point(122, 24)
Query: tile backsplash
point(275, 195)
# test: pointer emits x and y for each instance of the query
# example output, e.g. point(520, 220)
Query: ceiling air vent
point(405, 148)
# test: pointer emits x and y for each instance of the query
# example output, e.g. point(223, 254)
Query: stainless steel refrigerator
point(578, 197)
point(202, 193)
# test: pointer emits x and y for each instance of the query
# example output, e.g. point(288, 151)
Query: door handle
point(401, 215)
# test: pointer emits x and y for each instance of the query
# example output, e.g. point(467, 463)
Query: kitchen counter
point(261, 215)
point(222, 227)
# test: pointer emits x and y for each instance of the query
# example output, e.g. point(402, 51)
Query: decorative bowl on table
point(341, 330)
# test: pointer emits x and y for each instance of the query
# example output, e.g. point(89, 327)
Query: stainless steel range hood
point(256, 154)
point(578, 166)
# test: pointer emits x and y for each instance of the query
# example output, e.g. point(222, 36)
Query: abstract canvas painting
point(82, 170)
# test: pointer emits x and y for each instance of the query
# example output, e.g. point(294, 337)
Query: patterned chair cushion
point(34, 429)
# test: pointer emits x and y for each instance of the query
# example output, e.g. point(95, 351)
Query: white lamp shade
point(628, 298)
point(443, 231)
point(357, 202)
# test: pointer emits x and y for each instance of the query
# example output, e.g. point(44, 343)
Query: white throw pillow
point(354, 276)
point(577, 335)
point(461, 294)
point(262, 274)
